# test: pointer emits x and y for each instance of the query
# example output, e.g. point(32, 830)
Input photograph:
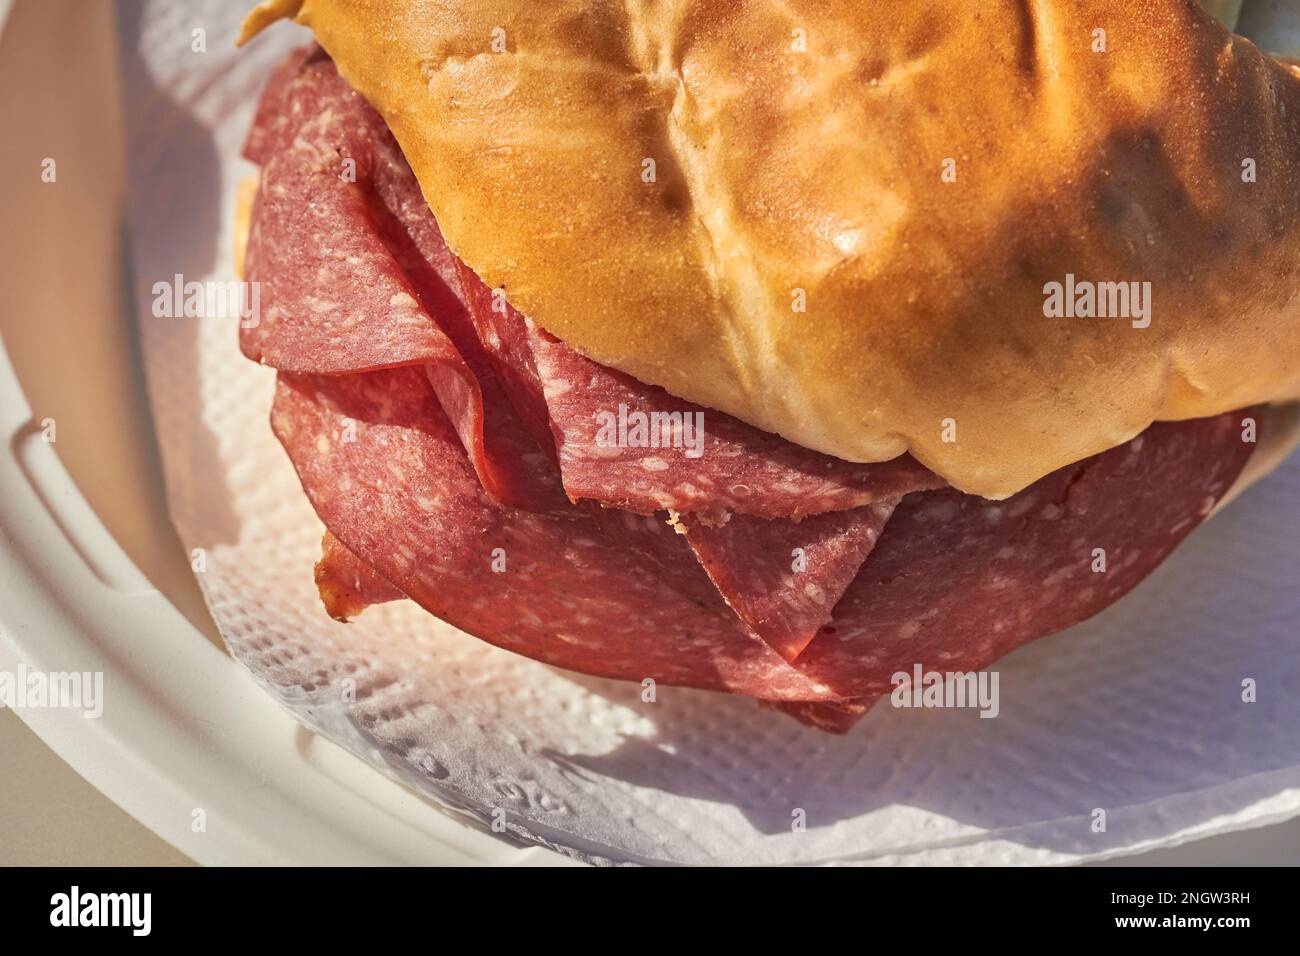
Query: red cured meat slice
point(505, 337)
point(741, 468)
point(954, 582)
point(834, 717)
point(747, 557)
point(348, 585)
point(399, 247)
point(781, 577)
point(276, 116)
point(736, 467)
point(353, 272)
point(958, 581)
point(401, 495)
point(661, 547)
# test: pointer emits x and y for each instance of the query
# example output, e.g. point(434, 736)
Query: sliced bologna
point(354, 273)
point(958, 581)
point(400, 494)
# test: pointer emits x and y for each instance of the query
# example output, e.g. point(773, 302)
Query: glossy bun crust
point(913, 173)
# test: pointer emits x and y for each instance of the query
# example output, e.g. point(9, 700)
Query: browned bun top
point(841, 222)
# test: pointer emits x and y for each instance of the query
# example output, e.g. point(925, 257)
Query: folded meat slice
point(402, 496)
point(834, 717)
point(347, 585)
point(427, 436)
point(782, 577)
point(748, 557)
point(504, 336)
point(725, 466)
point(957, 581)
point(356, 276)
point(954, 584)
point(353, 272)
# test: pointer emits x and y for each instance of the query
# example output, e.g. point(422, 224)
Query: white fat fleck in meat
point(1058, 576)
point(1052, 511)
point(1021, 507)
point(556, 387)
point(817, 595)
point(402, 300)
point(1006, 553)
point(789, 488)
point(909, 630)
point(1207, 505)
point(574, 450)
point(943, 510)
point(323, 444)
point(993, 515)
point(654, 464)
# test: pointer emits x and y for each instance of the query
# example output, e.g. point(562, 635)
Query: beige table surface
point(50, 816)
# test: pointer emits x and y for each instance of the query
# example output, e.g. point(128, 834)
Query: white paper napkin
point(1138, 712)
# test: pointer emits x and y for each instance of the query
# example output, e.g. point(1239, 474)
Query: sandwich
point(770, 349)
